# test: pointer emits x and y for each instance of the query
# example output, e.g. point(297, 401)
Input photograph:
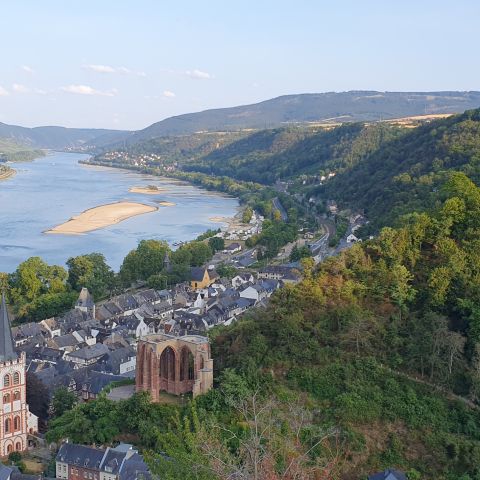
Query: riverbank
point(101, 217)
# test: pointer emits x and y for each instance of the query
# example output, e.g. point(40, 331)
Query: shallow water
point(50, 190)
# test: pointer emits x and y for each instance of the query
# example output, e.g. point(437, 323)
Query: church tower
point(15, 418)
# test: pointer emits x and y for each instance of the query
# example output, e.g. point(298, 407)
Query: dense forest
point(269, 155)
point(406, 173)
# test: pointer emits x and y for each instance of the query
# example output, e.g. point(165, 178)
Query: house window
point(8, 425)
point(16, 395)
point(6, 398)
point(16, 423)
point(18, 447)
point(6, 381)
point(16, 378)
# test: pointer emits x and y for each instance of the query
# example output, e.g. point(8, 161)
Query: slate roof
point(388, 475)
point(269, 285)
point(7, 350)
point(90, 352)
point(97, 381)
point(27, 330)
point(68, 321)
point(197, 273)
point(115, 358)
point(85, 299)
point(80, 455)
point(126, 302)
point(135, 468)
point(5, 472)
point(112, 461)
point(47, 353)
point(246, 261)
point(63, 341)
point(113, 308)
point(147, 296)
point(128, 464)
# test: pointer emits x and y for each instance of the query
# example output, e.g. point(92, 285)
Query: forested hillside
point(268, 155)
point(184, 148)
point(405, 174)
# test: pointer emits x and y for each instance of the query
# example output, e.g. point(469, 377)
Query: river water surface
point(50, 190)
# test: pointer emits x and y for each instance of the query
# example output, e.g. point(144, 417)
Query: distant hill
point(59, 137)
point(313, 107)
point(330, 107)
point(15, 152)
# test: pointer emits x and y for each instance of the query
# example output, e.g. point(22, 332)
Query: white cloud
point(87, 90)
point(18, 88)
point(100, 68)
point(110, 69)
point(168, 94)
point(198, 74)
point(3, 92)
point(27, 69)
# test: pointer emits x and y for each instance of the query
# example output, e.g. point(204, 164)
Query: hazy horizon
point(125, 66)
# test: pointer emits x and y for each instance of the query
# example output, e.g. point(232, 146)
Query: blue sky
point(128, 63)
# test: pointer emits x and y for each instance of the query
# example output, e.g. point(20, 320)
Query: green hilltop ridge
point(351, 106)
point(405, 175)
point(270, 155)
point(309, 108)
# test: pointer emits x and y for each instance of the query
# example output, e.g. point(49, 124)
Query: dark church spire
point(7, 350)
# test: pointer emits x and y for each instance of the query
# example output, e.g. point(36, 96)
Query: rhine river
point(50, 190)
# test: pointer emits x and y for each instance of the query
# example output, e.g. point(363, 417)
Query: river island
point(101, 217)
point(147, 190)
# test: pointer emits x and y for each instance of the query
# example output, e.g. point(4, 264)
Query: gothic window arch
point(16, 378)
point(16, 423)
point(8, 425)
point(187, 364)
point(6, 380)
point(18, 447)
point(9, 448)
point(167, 364)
